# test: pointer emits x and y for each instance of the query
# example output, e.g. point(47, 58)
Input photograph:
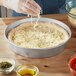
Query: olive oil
point(27, 70)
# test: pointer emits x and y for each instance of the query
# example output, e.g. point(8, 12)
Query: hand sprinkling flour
point(29, 7)
point(23, 6)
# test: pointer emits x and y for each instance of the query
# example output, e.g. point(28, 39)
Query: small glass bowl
point(10, 60)
point(71, 17)
point(68, 62)
point(34, 68)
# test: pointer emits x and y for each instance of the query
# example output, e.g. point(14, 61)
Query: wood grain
point(52, 66)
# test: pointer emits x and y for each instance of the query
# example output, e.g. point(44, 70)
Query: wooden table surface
point(52, 66)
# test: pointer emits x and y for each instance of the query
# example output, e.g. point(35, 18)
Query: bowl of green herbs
point(6, 65)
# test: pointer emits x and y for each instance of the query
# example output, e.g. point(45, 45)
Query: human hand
point(23, 6)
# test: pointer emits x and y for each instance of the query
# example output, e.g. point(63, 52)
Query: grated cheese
point(72, 18)
point(26, 36)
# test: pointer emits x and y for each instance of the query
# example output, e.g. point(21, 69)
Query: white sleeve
point(9, 3)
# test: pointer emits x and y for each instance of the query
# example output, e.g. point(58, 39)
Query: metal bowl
point(37, 52)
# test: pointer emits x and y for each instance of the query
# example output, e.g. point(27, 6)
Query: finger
point(32, 2)
point(31, 7)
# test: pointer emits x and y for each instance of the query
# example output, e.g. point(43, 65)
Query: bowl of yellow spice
point(6, 65)
point(27, 70)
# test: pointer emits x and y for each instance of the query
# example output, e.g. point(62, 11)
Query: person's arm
point(22, 6)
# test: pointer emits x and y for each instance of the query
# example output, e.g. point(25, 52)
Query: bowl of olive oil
point(27, 70)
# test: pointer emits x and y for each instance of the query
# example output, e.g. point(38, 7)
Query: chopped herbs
point(5, 65)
